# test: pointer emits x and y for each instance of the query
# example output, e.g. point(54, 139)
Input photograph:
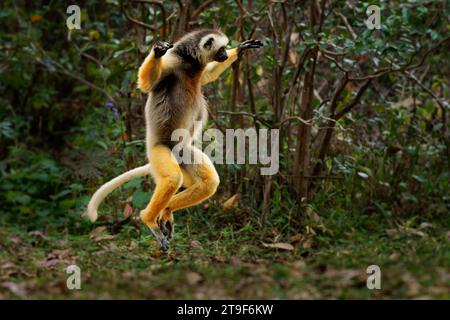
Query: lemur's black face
point(221, 55)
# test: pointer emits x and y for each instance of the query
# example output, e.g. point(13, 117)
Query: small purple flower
point(110, 105)
point(116, 114)
point(92, 134)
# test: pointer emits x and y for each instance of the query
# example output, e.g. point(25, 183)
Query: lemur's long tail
point(109, 187)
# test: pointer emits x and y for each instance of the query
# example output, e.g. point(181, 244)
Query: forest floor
point(204, 263)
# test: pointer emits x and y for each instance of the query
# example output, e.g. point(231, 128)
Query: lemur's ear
point(208, 44)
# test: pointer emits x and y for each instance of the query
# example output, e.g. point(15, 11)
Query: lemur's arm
point(214, 69)
point(156, 63)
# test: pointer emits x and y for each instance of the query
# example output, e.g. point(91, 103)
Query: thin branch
point(347, 24)
point(382, 71)
point(133, 20)
point(355, 101)
point(305, 122)
point(247, 114)
point(201, 8)
point(405, 67)
point(161, 8)
point(64, 70)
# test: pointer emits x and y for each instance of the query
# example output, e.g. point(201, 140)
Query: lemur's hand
point(161, 48)
point(249, 44)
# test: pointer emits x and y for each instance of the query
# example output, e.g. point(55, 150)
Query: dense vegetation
point(364, 151)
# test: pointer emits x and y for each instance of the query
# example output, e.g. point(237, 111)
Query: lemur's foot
point(157, 232)
point(169, 223)
point(161, 48)
point(166, 227)
point(161, 238)
point(169, 228)
point(162, 226)
point(164, 245)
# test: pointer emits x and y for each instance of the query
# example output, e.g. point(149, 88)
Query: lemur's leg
point(205, 181)
point(168, 177)
point(187, 178)
point(166, 221)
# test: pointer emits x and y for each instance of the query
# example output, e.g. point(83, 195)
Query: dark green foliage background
point(387, 167)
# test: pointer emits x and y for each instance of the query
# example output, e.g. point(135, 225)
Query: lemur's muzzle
point(221, 55)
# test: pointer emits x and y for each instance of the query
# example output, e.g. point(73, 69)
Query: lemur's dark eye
point(208, 44)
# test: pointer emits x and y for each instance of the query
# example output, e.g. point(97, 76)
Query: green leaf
point(140, 198)
point(133, 183)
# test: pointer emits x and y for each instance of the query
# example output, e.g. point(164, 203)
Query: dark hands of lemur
point(161, 48)
point(248, 44)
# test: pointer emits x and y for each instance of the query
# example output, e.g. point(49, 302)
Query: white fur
point(109, 187)
point(169, 60)
point(220, 40)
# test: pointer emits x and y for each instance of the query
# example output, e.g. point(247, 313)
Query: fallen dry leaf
point(99, 234)
point(345, 276)
point(195, 244)
point(415, 232)
point(97, 231)
point(48, 262)
point(297, 238)
point(55, 257)
point(235, 261)
point(193, 278)
point(16, 288)
point(230, 203)
point(280, 245)
point(6, 270)
point(312, 215)
point(308, 243)
point(103, 237)
point(391, 232)
point(14, 239)
point(310, 230)
point(38, 234)
point(425, 225)
point(394, 257)
point(219, 259)
point(128, 210)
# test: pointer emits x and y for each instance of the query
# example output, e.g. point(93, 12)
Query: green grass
point(211, 257)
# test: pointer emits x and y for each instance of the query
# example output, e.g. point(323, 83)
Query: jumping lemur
point(172, 75)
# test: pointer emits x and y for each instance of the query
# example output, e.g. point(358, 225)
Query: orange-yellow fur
point(149, 72)
point(201, 180)
point(168, 178)
point(214, 69)
point(176, 103)
point(152, 69)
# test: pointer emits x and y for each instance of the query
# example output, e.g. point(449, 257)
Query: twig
point(305, 122)
point(247, 114)
point(201, 8)
point(161, 8)
point(137, 22)
point(354, 102)
point(64, 70)
point(347, 24)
